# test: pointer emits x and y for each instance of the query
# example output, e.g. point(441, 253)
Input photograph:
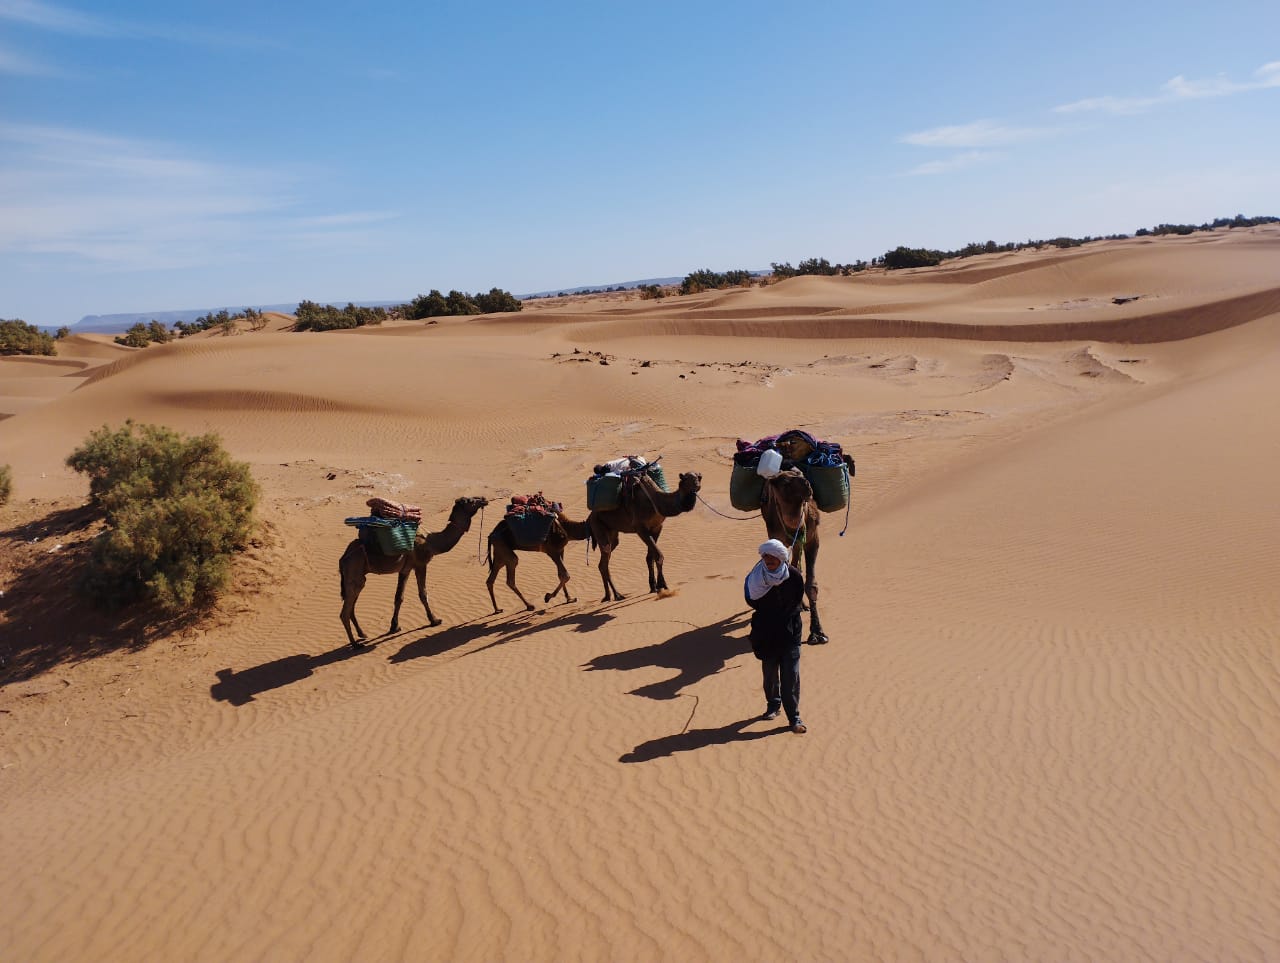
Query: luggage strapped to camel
point(605, 486)
point(530, 517)
point(392, 529)
point(822, 463)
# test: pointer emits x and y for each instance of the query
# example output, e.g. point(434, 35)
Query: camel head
point(690, 485)
point(469, 505)
point(790, 486)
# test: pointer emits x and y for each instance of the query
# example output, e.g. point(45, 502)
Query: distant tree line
point(1238, 221)
point(909, 257)
point(707, 280)
point(18, 337)
point(140, 335)
point(437, 305)
point(325, 317)
point(816, 266)
point(223, 319)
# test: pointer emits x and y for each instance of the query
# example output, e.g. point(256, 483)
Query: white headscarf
point(760, 579)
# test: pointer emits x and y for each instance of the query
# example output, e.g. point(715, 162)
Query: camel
point(503, 548)
point(358, 561)
point(791, 517)
point(642, 508)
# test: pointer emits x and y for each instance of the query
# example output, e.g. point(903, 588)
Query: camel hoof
point(567, 601)
point(818, 638)
point(528, 607)
point(434, 622)
point(548, 597)
point(357, 645)
point(497, 611)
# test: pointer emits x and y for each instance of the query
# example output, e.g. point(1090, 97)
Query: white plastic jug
point(770, 463)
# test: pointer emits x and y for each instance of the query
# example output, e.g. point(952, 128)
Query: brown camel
point(791, 517)
point(503, 548)
point(642, 508)
point(358, 561)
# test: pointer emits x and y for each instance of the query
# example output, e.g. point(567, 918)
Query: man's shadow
point(239, 688)
point(695, 655)
point(698, 739)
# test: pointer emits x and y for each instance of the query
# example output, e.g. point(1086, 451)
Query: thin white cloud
point(958, 162)
point(980, 133)
point(1176, 89)
point(47, 16)
point(348, 219)
point(129, 204)
point(22, 66)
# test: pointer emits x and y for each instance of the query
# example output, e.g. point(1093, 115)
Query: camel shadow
point(695, 655)
point(445, 640)
point(581, 622)
point(239, 688)
point(697, 739)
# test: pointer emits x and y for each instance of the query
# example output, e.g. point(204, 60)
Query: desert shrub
point(177, 509)
point(18, 337)
point(706, 280)
point(136, 337)
point(6, 484)
point(311, 316)
point(436, 305)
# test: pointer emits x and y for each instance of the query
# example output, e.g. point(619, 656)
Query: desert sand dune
point(1045, 728)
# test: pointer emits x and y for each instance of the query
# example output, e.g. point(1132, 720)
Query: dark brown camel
point(503, 548)
point(642, 508)
point(791, 517)
point(358, 561)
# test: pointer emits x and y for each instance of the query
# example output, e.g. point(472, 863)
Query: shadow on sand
point(701, 652)
point(49, 621)
point(698, 739)
point(239, 688)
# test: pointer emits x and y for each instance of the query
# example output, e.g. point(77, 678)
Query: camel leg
point(816, 635)
point(401, 578)
point(511, 564)
point(650, 560)
point(564, 583)
point(494, 565)
point(420, 571)
point(352, 583)
point(606, 551)
point(653, 560)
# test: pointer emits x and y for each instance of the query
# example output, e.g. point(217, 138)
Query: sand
point(1045, 727)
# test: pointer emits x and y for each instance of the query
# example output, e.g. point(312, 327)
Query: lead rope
point(732, 518)
point(800, 529)
point(480, 536)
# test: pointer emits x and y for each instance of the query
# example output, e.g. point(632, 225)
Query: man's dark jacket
point(775, 623)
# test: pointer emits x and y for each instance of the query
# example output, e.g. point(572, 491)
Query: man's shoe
point(799, 727)
point(770, 713)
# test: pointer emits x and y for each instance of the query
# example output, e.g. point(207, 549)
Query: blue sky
point(158, 156)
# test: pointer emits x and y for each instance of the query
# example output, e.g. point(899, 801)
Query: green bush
point(436, 305)
point(18, 337)
point(177, 509)
point(6, 484)
point(311, 316)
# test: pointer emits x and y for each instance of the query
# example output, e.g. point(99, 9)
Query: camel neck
point(448, 537)
point(673, 503)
